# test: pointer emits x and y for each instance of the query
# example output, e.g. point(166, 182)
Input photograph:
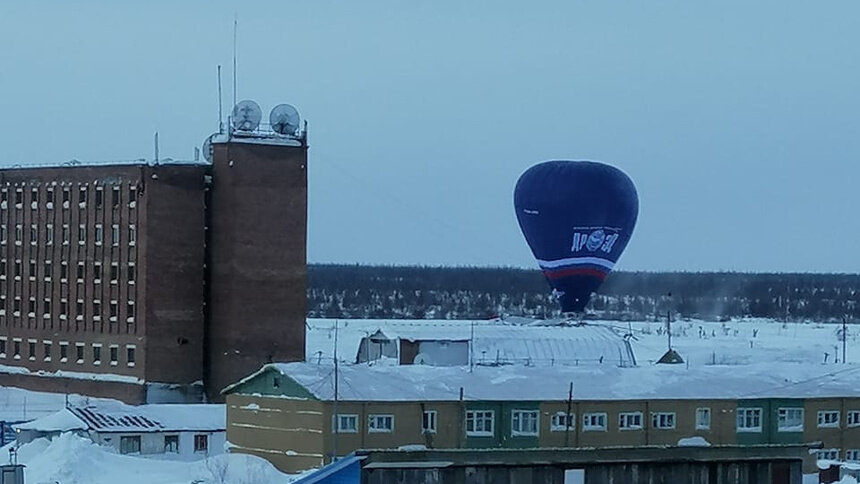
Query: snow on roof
point(257, 138)
point(119, 417)
point(90, 163)
point(62, 421)
point(606, 382)
point(493, 340)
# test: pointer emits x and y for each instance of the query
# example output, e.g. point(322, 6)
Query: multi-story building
point(288, 413)
point(154, 281)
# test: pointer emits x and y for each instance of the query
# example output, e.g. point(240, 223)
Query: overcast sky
point(738, 121)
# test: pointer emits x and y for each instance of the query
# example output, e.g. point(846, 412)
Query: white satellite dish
point(422, 359)
point(207, 147)
point(247, 115)
point(284, 119)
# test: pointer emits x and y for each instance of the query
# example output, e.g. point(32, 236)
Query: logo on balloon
point(593, 239)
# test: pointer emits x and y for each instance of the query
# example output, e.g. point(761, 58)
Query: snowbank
point(70, 459)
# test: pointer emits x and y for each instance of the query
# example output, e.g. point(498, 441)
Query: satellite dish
point(422, 359)
point(284, 119)
point(207, 147)
point(247, 115)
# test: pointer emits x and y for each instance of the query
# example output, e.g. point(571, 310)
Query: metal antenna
point(235, 30)
point(156, 146)
point(220, 109)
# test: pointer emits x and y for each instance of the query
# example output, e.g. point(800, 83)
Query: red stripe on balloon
point(575, 271)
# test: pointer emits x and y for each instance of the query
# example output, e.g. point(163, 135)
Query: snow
point(62, 421)
point(697, 441)
point(70, 459)
point(77, 375)
point(18, 405)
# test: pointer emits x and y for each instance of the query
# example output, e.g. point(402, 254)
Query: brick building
point(154, 282)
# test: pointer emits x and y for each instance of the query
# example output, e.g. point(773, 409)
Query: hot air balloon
point(577, 217)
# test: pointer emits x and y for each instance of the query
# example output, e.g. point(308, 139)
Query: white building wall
point(153, 442)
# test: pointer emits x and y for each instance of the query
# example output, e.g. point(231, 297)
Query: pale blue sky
point(737, 120)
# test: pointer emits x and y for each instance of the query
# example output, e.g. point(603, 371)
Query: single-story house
point(186, 430)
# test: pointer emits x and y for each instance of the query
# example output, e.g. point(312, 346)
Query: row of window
point(130, 444)
point(481, 423)
point(98, 233)
point(791, 419)
point(95, 353)
point(48, 267)
point(66, 196)
point(113, 309)
point(851, 455)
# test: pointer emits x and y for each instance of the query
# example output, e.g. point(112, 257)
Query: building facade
point(153, 282)
point(283, 420)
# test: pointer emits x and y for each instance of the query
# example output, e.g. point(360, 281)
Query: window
point(201, 443)
point(32, 270)
point(49, 269)
point(64, 308)
point(79, 353)
point(46, 308)
point(99, 234)
point(114, 234)
point(630, 421)
point(703, 418)
point(129, 444)
point(82, 234)
point(562, 421)
point(129, 308)
point(114, 200)
point(380, 423)
point(749, 420)
point(594, 421)
point(97, 354)
point(64, 351)
point(113, 310)
point(3, 233)
point(16, 348)
point(46, 348)
point(479, 423)
point(49, 234)
point(65, 234)
point(31, 306)
point(114, 355)
point(132, 235)
point(31, 349)
point(66, 197)
point(853, 419)
point(16, 306)
point(34, 234)
point(64, 271)
point(99, 196)
point(789, 420)
point(19, 234)
point(82, 195)
point(827, 454)
point(80, 272)
point(131, 273)
point(17, 269)
point(132, 195)
point(129, 350)
point(524, 422)
point(97, 272)
point(79, 307)
point(2, 347)
point(828, 418)
point(97, 309)
point(428, 422)
point(114, 272)
point(171, 444)
point(346, 424)
point(852, 455)
point(49, 197)
point(19, 197)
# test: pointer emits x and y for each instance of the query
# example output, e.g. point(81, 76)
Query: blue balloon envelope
point(577, 217)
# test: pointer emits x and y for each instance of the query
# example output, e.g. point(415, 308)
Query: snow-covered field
point(70, 459)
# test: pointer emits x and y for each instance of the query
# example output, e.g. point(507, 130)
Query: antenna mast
point(334, 406)
point(220, 109)
point(235, 30)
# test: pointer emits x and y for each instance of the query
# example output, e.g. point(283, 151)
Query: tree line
point(414, 292)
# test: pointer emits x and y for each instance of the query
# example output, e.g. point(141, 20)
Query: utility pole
point(844, 338)
point(567, 421)
point(336, 420)
point(669, 322)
